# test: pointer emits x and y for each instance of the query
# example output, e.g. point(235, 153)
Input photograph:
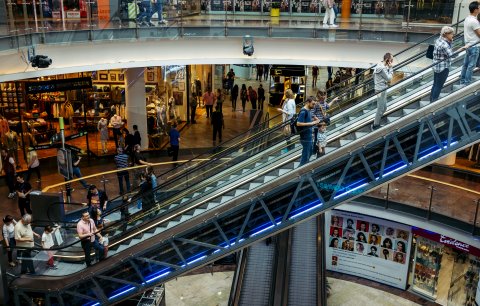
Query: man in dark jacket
point(261, 96)
point(217, 123)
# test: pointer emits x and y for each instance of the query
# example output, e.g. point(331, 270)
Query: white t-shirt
point(47, 240)
point(470, 25)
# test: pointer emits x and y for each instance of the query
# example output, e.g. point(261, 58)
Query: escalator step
point(283, 171)
point(392, 119)
point(344, 141)
point(407, 111)
point(268, 178)
point(254, 185)
point(360, 134)
point(225, 199)
point(330, 149)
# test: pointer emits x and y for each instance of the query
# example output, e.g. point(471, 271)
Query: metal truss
point(356, 168)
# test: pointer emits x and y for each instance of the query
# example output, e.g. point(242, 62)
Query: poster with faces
point(368, 247)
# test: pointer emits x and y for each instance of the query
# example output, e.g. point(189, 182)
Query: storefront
point(445, 269)
point(432, 265)
point(31, 108)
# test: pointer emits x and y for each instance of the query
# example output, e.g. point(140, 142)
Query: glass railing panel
point(455, 203)
point(411, 192)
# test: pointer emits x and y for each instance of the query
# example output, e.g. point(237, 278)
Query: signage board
point(368, 247)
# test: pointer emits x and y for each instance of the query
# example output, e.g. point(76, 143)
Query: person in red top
point(208, 99)
point(8, 167)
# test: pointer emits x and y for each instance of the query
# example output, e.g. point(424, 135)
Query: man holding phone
point(382, 75)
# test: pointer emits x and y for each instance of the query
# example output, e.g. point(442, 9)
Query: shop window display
point(428, 257)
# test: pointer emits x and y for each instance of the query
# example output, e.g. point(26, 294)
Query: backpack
point(293, 123)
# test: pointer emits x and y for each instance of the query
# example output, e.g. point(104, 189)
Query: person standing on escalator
point(442, 54)
point(382, 75)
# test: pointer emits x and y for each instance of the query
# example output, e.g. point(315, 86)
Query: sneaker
point(325, 25)
point(11, 195)
point(334, 26)
point(150, 24)
point(12, 264)
point(374, 127)
point(163, 21)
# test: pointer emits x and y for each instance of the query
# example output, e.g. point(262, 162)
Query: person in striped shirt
point(121, 160)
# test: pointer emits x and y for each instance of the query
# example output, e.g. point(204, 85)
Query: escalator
point(262, 194)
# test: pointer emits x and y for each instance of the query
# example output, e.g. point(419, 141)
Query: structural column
point(135, 102)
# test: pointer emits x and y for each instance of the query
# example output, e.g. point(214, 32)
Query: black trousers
point(175, 153)
point(217, 130)
point(209, 109)
point(27, 262)
point(24, 206)
point(30, 170)
point(87, 248)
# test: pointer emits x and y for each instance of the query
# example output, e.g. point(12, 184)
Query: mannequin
point(172, 115)
point(10, 140)
point(117, 124)
point(162, 116)
point(117, 95)
point(102, 127)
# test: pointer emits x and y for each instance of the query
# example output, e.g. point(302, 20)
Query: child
point(321, 139)
point(47, 243)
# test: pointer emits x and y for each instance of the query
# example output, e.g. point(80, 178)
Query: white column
point(448, 160)
point(135, 102)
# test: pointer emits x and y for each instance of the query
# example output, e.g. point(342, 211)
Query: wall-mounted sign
point(453, 243)
point(58, 85)
point(368, 247)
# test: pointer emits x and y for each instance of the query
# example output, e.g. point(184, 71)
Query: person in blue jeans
point(442, 54)
point(146, 13)
point(471, 35)
point(305, 125)
point(174, 143)
point(158, 8)
point(76, 170)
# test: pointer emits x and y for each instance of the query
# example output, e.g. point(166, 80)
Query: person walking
point(158, 8)
point(76, 169)
point(218, 124)
point(288, 111)
point(382, 75)
point(33, 164)
point(174, 142)
point(219, 98)
point(8, 168)
point(234, 97)
point(442, 54)
point(261, 96)
point(102, 127)
point(117, 123)
point(252, 96)
point(24, 236)
point(266, 71)
point(129, 144)
point(146, 13)
point(121, 161)
point(230, 79)
point(8, 231)
point(305, 125)
point(329, 19)
point(193, 108)
point(23, 190)
point(244, 96)
point(259, 72)
point(471, 35)
point(208, 99)
point(137, 139)
point(314, 76)
point(87, 230)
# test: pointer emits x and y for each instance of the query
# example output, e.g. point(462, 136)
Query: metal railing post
point(476, 216)
point(386, 197)
point(429, 212)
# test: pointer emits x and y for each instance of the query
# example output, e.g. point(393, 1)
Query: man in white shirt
point(24, 238)
point(117, 124)
point(471, 34)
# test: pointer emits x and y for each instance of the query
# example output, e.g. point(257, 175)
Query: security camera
point(248, 45)
point(39, 61)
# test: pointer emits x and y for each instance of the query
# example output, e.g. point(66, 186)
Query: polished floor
point(213, 289)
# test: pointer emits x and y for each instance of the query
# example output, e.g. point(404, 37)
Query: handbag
point(429, 53)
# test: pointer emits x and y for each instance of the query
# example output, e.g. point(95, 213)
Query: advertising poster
point(367, 247)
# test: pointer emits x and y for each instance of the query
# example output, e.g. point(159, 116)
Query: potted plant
point(275, 9)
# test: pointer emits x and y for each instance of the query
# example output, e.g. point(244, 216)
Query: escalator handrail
point(339, 85)
point(272, 130)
